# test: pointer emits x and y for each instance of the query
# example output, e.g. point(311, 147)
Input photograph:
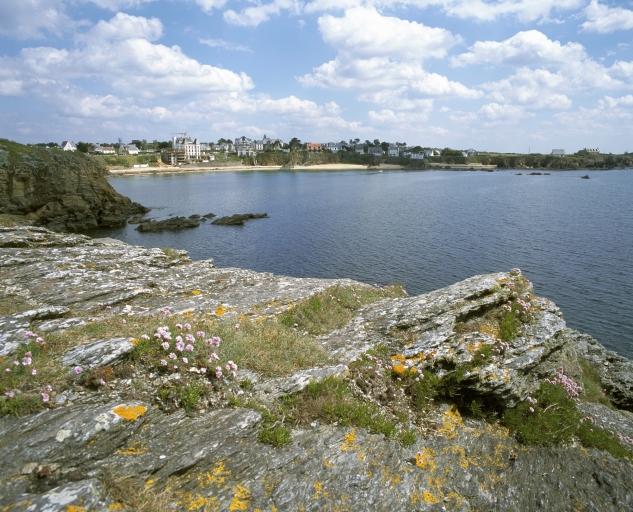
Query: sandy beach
point(210, 168)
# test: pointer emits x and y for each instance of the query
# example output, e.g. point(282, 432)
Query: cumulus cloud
point(115, 5)
point(225, 45)
point(121, 27)
point(604, 19)
point(33, 19)
point(623, 101)
point(365, 32)
point(253, 16)
point(208, 5)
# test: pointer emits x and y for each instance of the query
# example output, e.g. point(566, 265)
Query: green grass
point(592, 387)
point(556, 420)
point(171, 254)
point(332, 309)
point(190, 395)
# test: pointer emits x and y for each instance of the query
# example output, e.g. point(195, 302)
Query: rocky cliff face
point(65, 192)
point(94, 444)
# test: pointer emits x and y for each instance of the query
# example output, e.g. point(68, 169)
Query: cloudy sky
point(504, 75)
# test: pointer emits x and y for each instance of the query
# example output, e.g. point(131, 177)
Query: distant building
point(128, 149)
point(592, 150)
point(314, 147)
point(415, 156)
point(393, 150)
point(272, 144)
point(108, 150)
point(96, 148)
point(375, 150)
point(469, 152)
point(183, 150)
point(558, 152)
point(244, 146)
point(68, 145)
point(334, 147)
point(359, 148)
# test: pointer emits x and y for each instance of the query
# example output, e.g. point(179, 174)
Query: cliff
point(60, 190)
point(135, 379)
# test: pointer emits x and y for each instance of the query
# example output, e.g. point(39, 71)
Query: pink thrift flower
point(49, 388)
point(10, 394)
point(102, 382)
point(16, 363)
point(163, 362)
point(179, 339)
point(531, 409)
point(216, 341)
point(189, 348)
point(28, 354)
point(33, 371)
point(45, 397)
point(203, 370)
point(145, 336)
point(190, 338)
point(108, 307)
point(78, 370)
point(29, 334)
point(200, 334)
point(234, 375)
point(178, 326)
point(175, 367)
point(417, 379)
point(188, 327)
point(165, 345)
point(180, 346)
point(214, 357)
point(26, 361)
point(185, 360)
point(39, 340)
point(124, 321)
point(237, 326)
point(7, 370)
point(228, 368)
point(173, 356)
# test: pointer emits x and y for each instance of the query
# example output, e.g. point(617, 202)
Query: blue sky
point(502, 75)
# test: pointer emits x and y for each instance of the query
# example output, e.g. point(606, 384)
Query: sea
point(572, 237)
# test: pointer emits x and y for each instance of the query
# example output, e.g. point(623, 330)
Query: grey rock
point(618, 421)
point(168, 224)
point(273, 388)
point(98, 353)
point(238, 219)
point(84, 495)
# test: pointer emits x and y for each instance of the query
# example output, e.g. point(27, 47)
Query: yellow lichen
point(399, 369)
point(425, 459)
point(319, 488)
point(220, 310)
point(349, 442)
point(134, 341)
point(130, 412)
point(327, 463)
point(117, 506)
point(196, 292)
point(242, 499)
point(199, 502)
point(216, 476)
point(399, 357)
point(74, 508)
point(137, 448)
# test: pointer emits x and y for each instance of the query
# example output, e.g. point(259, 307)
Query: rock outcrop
point(59, 190)
point(238, 219)
point(211, 458)
point(168, 224)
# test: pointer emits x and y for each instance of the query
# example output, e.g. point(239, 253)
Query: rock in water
point(174, 223)
point(60, 190)
point(238, 219)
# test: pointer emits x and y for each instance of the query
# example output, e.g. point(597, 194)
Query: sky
point(493, 75)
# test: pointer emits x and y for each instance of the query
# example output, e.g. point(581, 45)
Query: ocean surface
point(572, 238)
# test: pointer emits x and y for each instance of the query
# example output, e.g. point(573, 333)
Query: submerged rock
point(238, 219)
point(171, 224)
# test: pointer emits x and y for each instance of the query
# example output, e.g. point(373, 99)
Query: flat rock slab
point(98, 353)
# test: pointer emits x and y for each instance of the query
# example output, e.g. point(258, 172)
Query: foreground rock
point(62, 191)
point(238, 219)
point(168, 224)
point(211, 459)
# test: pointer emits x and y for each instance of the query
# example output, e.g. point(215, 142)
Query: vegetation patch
point(551, 417)
point(333, 308)
point(128, 492)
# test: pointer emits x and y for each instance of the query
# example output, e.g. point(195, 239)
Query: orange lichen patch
point(399, 357)
point(134, 341)
point(196, 292)
point(269, 484)
point(425, 459)
point(349, 444)
point(220, 310)
point(451, 422)
point(473, 347)
point(130, 412)
point(327, 463)
point(199, 502)
point(389, 477)
point(74, 508)
point(318, 487)
point(117, 506)
point(242, 499)
point(399, 369)
point(217, 475)
point(423, 497)
point(490, 329)
point(137, 448)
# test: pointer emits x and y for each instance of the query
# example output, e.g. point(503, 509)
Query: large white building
point(190, 147)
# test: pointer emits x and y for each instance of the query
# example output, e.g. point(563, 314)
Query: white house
point(375, 150)
point(393, 150)
point(108, 150)
point(272, 144)
point(244, 146)
point(558, 152)
point(334, 147)
point(359, 148)
point(191, 148)
point(68, 145)
point(96, 148)
point(592, 150)
point(128, 149)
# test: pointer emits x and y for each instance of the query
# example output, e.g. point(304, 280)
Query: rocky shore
point(416, 416)
point(62, 191)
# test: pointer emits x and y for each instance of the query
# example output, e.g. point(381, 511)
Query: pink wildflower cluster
point(623, 439)
point(572, 389)
point(27, 361)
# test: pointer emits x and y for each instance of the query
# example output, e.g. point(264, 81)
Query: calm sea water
point(572, 238)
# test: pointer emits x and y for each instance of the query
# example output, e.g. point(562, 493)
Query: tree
point(385, 146)
point(155, 144)
point(376, 142)
point(84, 147)
point(294, 144)
point(451, 152)
point(53, 145)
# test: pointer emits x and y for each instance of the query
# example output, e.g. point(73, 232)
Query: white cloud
point(31, 19)
point(10, 87)
point(115, 5)
point(389, 117)
point(522, 49)
point(492, 114)
point(604, 19)
point(208, 5)
point(623, 101)
point(253, 16)
point(365, 32)
point(225, 45)
point(123, 26)
point(380, 74)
